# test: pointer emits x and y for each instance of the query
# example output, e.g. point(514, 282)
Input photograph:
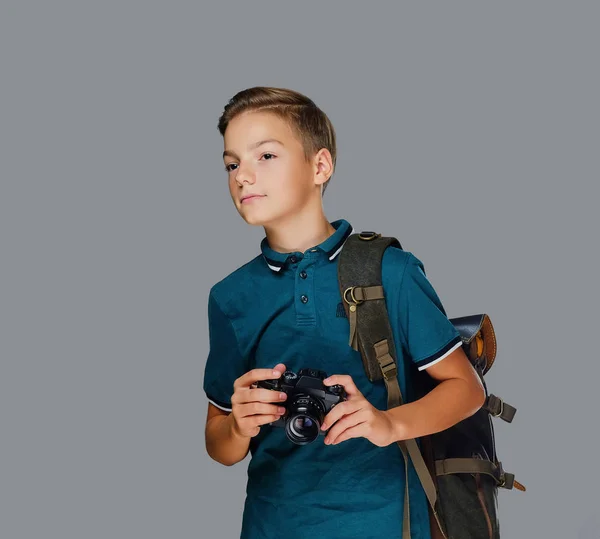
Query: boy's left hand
point(356, 417)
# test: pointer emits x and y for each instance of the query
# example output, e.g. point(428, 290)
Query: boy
point(282, 311)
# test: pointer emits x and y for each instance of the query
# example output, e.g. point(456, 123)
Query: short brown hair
point(310, 124)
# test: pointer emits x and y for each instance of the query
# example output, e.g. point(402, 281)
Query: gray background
point(468, 131)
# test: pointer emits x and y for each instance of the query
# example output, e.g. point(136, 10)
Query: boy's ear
point(323, 165)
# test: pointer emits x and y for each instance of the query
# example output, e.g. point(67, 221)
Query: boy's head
point(289, 175)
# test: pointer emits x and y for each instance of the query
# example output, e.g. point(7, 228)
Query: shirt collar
point(331, 247)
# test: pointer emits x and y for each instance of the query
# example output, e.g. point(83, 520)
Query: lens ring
point(305, 417)
point(302, 428)
point(302, 425)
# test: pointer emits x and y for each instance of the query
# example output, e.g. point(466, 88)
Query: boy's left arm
point(458, 395)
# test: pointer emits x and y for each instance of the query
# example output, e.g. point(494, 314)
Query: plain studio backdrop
point(470, 132)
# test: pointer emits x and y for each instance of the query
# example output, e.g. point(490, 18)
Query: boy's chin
point(264, 217)
point(255, 220)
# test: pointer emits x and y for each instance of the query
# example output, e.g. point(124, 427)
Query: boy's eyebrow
point(252, 146)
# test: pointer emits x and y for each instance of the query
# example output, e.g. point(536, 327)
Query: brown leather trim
point(489, 340)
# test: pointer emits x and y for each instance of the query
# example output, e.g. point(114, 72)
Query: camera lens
point(303, 429)
point(304, 420)
point(301, 425)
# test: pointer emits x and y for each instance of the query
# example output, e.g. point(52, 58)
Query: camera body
point(308, 402)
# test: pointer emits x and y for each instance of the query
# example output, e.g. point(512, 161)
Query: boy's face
point(275, 171)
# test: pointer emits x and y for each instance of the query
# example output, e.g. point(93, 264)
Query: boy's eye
point(229, 169)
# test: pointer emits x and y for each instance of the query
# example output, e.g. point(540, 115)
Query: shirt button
point(293, 259)
point(303, 274)
point(304, 299)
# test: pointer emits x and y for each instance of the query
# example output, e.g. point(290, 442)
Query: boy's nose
point(244, 176)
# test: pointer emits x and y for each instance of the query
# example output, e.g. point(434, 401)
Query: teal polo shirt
point(287, 308)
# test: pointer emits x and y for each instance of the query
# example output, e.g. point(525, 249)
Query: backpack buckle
point(505, 480)
point(498, 408)
point(385, 360)
point(389, 372)
point(501, 409)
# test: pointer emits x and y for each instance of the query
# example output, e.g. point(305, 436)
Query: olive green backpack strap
point(360, 281)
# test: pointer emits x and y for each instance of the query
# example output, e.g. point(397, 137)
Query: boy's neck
point(299, 233)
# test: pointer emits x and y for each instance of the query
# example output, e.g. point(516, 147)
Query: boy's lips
point(251, 197)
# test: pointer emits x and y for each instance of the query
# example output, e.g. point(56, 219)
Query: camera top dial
point(289, 376)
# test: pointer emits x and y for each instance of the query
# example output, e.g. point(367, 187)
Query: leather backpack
point(458, 467)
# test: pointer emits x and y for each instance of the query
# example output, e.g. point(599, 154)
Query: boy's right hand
point(252, 407)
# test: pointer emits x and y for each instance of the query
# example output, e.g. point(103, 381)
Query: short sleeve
point(225, 363)
point(429, 335)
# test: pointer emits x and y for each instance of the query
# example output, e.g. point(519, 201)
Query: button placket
point(305, 312)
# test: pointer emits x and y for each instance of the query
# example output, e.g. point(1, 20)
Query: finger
point(245, 395)
point(338, 411)
point(357, 431)
point(252, 424)
point(343, 380)
point(259, 420)
point(267, 395)
point(345, 423)
point(255, 375)
point(256, 408)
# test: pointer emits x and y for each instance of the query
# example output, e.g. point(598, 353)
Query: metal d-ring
point(368, 235)
point(356, 301)
point(501, 409)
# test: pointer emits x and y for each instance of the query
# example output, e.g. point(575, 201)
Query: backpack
point(458, 467)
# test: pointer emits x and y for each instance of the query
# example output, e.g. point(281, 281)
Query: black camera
point(308, 402)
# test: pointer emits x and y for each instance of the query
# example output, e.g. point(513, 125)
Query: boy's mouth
point(251, 197)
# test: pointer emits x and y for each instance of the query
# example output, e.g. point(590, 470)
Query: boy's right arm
point(228, 434)
point(222, 442)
